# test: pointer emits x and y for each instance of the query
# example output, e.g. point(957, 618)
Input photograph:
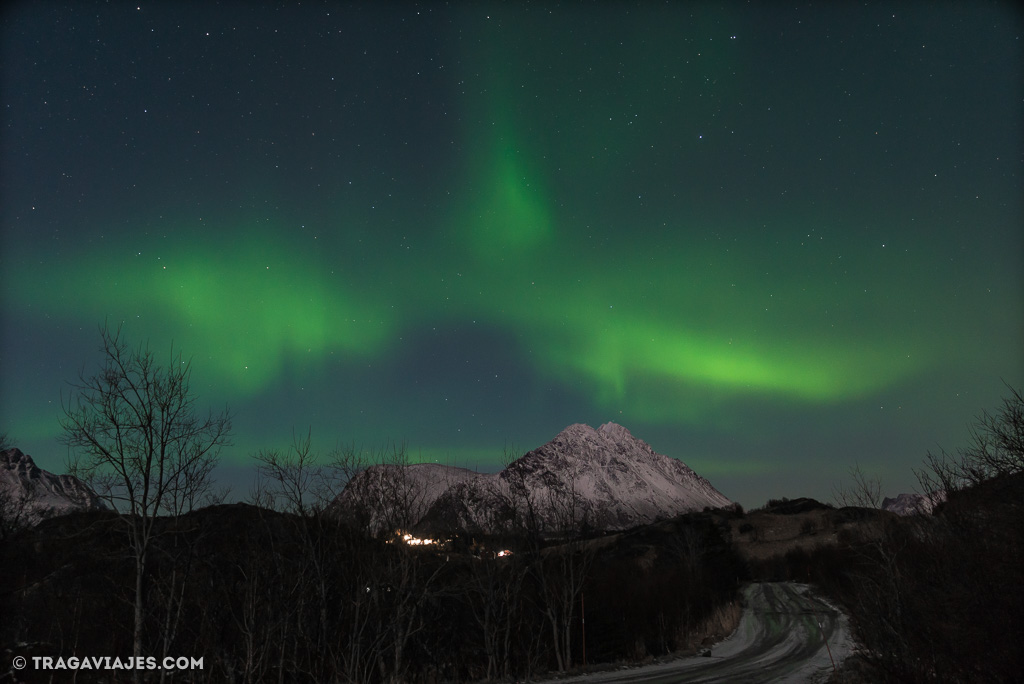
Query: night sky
point(772, 241)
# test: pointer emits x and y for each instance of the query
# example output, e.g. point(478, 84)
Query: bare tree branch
point(134, 434)
point(995, 449)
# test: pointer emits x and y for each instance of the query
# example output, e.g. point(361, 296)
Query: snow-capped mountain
point(622, 478)
point(392, 496)
point(603, 479)
point(30, 493)
point(912, 504)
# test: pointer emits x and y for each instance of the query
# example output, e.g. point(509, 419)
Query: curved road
point(781, 638)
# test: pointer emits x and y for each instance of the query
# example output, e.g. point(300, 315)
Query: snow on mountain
point(622, 479)
point(603, 478)
point(396, 496)
point(912, 504)
point(31, 493)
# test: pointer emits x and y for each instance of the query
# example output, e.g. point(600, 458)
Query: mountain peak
point(37, 493)
point(615, 432)
point(623, 479)
point(618, 480)
point(608, 438)
point(576, 431)
point(16, 459)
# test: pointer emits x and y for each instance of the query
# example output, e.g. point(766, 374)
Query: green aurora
point(631, 229)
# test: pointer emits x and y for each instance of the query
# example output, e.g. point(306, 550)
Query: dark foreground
point(781, 638)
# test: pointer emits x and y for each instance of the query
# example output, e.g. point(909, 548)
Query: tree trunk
point(140, 571)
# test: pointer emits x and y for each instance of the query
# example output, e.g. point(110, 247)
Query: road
point(781, 638)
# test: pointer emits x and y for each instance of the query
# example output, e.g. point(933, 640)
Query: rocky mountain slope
point(28, 493)
point(912, 503)
point(397, 496)
point(602, 479)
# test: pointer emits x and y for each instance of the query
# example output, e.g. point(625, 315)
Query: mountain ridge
point(605, 477)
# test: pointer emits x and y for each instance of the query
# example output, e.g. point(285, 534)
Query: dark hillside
point(258, 593)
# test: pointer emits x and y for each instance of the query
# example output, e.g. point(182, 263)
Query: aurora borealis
point(773, 242)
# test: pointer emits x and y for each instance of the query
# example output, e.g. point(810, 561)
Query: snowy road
point(781, 638)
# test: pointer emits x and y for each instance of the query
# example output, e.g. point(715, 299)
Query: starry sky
point(773, 241)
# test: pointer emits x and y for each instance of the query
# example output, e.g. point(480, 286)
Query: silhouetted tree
point(865, 491)
point(13, 513)
point(551, 522)
point(996, 449)
point(939, 597)
point(134, 434)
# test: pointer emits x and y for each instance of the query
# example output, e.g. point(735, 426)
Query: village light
point(416, 541)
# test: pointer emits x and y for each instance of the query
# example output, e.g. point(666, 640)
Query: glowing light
point(416, 541)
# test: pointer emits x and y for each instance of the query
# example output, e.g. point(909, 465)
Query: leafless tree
point(864, 491)
point(495, 599)
point(13, 513)
point(296, 482)
point(382, 492)
point(564, 566)
point(996, 448)
point(495, 582)
point(360, 593)
point(551, 520)
point(404, 578)
point(135, 436)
